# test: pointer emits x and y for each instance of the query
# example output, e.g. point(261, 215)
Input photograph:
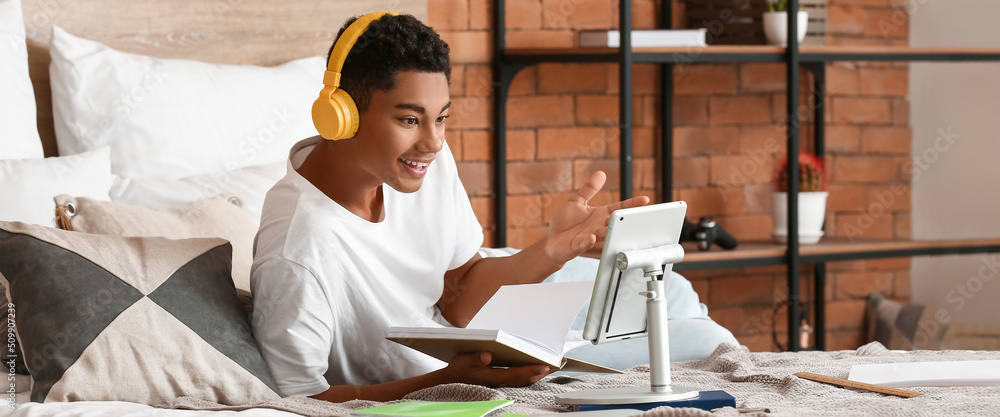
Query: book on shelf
point(434, 408)
point(520, 325)
point(644, 38)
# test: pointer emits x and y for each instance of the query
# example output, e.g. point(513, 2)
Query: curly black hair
point(391, 44)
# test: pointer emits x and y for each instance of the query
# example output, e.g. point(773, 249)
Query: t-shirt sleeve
point(291, 321)
point(468, 231)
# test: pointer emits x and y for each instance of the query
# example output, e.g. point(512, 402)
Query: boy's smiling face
point(403, 130)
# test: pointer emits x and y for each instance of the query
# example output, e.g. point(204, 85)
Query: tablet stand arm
point(652, 262)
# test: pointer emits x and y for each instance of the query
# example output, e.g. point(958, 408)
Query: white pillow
point(28, 186)
point(171, 118)
point(251, 183)
point(18, 132)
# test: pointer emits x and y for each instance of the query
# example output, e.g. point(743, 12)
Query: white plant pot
point(812, 212)
point(776, 27)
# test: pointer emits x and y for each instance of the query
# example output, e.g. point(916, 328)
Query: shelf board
point(747, 253)
point(753, 53)
point(677, 55)
point(834, 249)
point(829, 249)
point(896, 53)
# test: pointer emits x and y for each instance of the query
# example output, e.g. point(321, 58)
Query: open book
point(520, 325)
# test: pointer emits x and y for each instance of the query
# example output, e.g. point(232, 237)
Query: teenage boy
point(376, 230)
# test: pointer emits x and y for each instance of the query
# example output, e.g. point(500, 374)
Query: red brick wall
point(729, 134)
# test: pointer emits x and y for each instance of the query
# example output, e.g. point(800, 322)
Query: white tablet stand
point(652, 262)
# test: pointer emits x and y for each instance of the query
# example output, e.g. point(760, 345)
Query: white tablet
point(617, 310)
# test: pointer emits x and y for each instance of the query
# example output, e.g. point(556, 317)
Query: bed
point(758, 380)
point(167, 122)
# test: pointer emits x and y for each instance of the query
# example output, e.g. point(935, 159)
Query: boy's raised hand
point(577, 226)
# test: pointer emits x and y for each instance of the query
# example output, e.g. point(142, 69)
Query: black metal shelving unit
point(507, 63)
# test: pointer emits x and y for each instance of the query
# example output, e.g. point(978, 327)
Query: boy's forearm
point(464, 297)
point(384, 392)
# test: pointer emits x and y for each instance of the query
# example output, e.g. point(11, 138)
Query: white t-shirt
point(327, 284)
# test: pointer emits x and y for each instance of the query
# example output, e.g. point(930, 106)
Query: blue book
point(706, 400)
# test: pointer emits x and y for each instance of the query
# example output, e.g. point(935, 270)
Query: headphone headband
point(334, 113)
point(346, 42)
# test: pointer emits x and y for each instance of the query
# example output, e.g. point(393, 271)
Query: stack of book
point(644, 38)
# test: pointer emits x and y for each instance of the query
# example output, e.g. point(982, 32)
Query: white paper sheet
point(928, 374)
point(542, 312)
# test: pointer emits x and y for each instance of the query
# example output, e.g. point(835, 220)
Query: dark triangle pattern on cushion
point(209, 308)
point(70, 281)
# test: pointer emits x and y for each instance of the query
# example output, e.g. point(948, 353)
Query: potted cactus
point(812, 199)
point(775, 21)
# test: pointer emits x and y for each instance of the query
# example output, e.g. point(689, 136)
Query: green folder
point(431, 408)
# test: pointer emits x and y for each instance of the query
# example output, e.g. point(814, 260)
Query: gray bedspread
point(756, 379)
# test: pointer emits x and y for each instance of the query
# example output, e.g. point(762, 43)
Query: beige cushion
point(138, 319)
point(911, 326)
point(903, 326)
point(972, 336)
point(222, 216)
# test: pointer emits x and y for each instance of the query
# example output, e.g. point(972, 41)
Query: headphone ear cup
point(336, 117)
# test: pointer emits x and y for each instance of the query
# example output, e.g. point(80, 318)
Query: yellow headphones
point(334, 113)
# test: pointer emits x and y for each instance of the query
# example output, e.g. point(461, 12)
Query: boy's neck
point(331, 168)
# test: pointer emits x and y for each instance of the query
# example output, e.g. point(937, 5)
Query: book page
point(542, 312)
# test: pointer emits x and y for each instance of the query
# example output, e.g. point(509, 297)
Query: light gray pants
point(693, 334)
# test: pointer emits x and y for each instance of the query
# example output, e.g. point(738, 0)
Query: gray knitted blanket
point(757, 380)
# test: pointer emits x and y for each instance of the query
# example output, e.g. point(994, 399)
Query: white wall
point(956, 191)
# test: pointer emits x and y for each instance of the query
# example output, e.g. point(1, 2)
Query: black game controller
point(706, 232)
